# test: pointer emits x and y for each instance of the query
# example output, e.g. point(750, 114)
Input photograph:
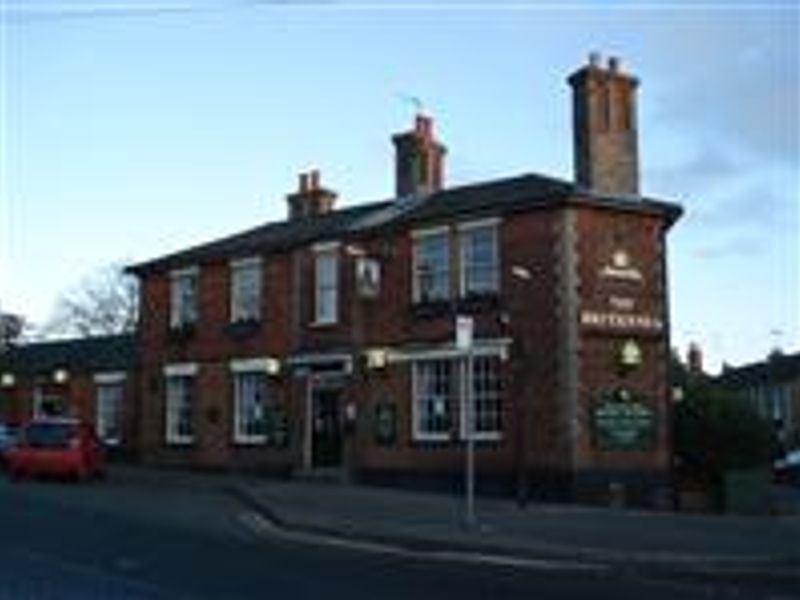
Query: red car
point(56, 446)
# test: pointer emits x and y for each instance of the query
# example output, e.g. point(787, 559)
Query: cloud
point(705, 170)
point(756, 208)
point(736, 77)
point(732, 247)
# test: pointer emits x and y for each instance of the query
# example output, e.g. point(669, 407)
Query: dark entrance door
point(327, 438)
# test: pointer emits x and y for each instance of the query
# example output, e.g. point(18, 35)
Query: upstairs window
point(183, 297)
point(431, 266)
point(326, 279)
point(246, 289)
point(479, 258)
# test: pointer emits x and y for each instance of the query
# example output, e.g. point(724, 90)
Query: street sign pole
point(470, 414)
point(464, 342)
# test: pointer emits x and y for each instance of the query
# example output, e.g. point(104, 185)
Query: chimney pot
point(314, 179)
point(613, 64)
point(424, 127)
point(594, 59)
point(303, 185)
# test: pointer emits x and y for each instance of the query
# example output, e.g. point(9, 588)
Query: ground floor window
point(486, 390)
point(179, 409)
point(47, 404)
point(437, 395)
point(432, 397)
point(109, 412)
point(251, 406)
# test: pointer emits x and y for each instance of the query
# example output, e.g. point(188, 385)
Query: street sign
point(464, 332)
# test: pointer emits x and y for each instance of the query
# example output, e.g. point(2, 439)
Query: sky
point(132, 129)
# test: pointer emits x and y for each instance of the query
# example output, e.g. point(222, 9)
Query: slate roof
point(778, 368)
point(524, 192)
point(90, 355)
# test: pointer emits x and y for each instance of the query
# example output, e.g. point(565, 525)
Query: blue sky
point(132, 129)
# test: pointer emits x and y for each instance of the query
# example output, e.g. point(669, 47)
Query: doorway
point(326, 444)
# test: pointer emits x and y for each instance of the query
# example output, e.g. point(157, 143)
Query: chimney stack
point(606, 151)
point(310, 199)
point(694, 359)
point(419, 162)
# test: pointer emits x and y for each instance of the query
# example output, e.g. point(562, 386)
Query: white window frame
point(326, 291)
point(416, 415)
point(238, 379)
point(187, 375)
point(183, 307)
point(246, 294)
point(108, 408)
point(488, 435)
point(464, 231)
point(418, 237)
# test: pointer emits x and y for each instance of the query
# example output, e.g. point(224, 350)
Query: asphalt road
point(118, 540)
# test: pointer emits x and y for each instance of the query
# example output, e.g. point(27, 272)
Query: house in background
point(773, 387)
point(327, 341)
point(91, 378)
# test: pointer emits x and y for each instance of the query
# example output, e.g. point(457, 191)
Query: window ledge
point(250, 441)
point(432, 438)
point(323, 324)
point(179, 442)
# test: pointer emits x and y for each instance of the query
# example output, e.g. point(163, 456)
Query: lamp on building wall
point(8, 380)
point(272, 366)
point(60, 376)
point(376, 358)
point(629, 356)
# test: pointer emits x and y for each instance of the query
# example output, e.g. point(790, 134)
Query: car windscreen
point(48, 435)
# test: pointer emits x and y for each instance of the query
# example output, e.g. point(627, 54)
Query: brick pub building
point(326, 342)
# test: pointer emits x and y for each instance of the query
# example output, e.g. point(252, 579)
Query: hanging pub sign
point(368, 277)
point(622, 421)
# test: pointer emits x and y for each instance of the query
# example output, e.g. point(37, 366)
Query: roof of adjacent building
point(778, 368)
point(501, 196)
point(91, 355)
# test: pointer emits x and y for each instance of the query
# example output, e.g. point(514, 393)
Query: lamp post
point(357, 253)
point(522, 275)
point(464, 343)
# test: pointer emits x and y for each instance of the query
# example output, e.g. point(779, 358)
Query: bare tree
point(103, 303)
point(13, 329)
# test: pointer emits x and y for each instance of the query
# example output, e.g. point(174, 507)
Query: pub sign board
point(623, 423)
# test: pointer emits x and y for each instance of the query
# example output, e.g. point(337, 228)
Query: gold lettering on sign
point(619, 303)
point(621, 268)
point(613, 320)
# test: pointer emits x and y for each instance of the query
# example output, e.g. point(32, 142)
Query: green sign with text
point(624, 425)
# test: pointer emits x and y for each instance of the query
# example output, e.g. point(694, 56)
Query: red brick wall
point(532, 313)
point(600, 234)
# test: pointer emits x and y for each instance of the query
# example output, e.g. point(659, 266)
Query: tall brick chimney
point(606, 155)
point(310, 199)
point(419, 162)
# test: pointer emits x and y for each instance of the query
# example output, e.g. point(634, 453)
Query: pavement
point(394, 520)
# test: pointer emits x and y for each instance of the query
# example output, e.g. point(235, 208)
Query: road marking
point(263, 527)
point(94, 573)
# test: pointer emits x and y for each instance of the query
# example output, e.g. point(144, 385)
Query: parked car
point(787, 468)
point(56, 446)
point(8, 437)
